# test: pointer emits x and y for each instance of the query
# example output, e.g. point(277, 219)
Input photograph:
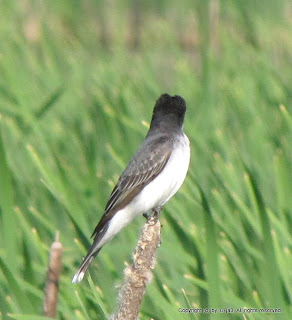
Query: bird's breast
point(170, 179)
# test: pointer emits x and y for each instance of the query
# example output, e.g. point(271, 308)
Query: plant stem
point(138, 275)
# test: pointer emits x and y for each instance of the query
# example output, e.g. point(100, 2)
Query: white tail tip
point(78, 277)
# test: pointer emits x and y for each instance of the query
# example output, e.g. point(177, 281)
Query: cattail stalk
point(53, 278)
point(138, 275)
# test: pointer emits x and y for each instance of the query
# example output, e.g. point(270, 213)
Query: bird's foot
point(154, 213)
point(152, 217)
point(147, 216)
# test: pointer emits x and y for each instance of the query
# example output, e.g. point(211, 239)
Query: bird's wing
point(147, 163)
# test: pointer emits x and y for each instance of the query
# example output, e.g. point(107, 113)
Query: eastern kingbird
point(152, 177)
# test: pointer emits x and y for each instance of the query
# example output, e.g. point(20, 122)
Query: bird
point(152, 177)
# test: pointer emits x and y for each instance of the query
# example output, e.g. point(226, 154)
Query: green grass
point(72, 112)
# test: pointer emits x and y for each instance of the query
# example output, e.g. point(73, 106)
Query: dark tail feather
point(84, 266)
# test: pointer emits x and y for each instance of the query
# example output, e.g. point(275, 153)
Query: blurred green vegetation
point(78, 83)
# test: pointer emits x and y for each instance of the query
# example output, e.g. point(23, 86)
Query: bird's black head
point(169, 112)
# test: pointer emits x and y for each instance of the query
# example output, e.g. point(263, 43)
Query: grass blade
point(14, 287)
point(213, 279)
point(6, 204)
point(270, 267)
